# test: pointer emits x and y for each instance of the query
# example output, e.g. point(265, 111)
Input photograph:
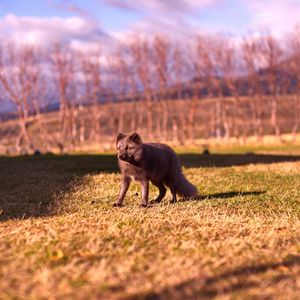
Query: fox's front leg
point(123, 190)
point(145, 193)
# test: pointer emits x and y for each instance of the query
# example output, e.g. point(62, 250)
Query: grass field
point(60, 238)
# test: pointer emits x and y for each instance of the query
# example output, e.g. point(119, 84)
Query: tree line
point(205, 87)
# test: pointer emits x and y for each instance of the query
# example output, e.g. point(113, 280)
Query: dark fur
point(153, 162)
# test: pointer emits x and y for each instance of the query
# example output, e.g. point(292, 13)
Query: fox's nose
point(122, 156)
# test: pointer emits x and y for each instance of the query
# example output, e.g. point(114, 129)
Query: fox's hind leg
point(162, 191)
point(173, 192)
point(170, 183)
point(145, 193)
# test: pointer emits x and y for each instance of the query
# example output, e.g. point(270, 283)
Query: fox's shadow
point(227, 195)
point(223, 195)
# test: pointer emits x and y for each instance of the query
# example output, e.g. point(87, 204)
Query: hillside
point(207, 126)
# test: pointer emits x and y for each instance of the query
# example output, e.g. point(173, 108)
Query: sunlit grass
point(60, 237)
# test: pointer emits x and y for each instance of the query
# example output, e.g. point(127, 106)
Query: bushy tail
point(184, 187)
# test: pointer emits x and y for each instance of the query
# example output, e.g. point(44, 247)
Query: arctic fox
point(153, 162)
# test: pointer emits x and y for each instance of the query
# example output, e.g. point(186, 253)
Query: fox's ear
point(135, 138)
point(120, 136)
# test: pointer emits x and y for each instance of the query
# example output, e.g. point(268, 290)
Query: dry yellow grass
point(241, 241)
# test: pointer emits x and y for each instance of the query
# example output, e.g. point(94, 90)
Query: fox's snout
point(122, 156)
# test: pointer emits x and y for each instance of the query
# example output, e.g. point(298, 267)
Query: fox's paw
point(143, 205)
point(155, 201)
point(117, 205)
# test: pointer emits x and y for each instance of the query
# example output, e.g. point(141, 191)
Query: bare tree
point(178, 76)
point(293, 43)
point(230, 68)
point(124, 69)
point(20, 75)
point(91, 68)
point(63, 68)
point(208, 53)
point(76, 100)
point(271, 54)
point(39, 91)
point(197, 76)
point(251, 59)
point(162, 49)
point(141, 54)
point(122, 72)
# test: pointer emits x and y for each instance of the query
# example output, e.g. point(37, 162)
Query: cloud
point(161, 6)
point(278, 16)
point(70, 7)
point(172, 18)
point(46, 31)
point(154, 25)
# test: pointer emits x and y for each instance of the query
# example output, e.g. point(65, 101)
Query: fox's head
point(129, 147)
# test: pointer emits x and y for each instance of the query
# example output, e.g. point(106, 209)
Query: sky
point(83, 24)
